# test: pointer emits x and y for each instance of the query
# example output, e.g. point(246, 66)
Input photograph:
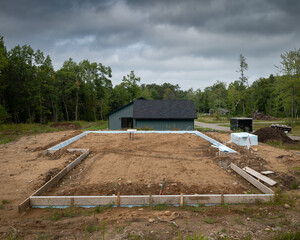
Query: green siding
point(187, 124)
point(114, 119)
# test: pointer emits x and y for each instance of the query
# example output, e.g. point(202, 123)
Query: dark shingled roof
point(164, 109)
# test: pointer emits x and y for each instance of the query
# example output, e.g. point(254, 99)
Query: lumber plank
point(50, 183)
point(23, 206)
point(258, 175)
point(251, 179)
point(77, 160)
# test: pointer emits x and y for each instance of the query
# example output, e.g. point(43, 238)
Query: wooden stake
point(118, 200)
point(275, 195)
point(71, 202)
point(150, 200)
point(222, 198)
point(181, 200)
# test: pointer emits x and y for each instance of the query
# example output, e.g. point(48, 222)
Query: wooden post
point(222, 198)
point(275, 195)
point(150, 201)
point(118, 200)
point(181, 200)
point(71, 202)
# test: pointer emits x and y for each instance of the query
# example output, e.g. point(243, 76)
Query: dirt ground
point(115, 164)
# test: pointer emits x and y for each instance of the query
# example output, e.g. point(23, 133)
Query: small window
point(127, 123)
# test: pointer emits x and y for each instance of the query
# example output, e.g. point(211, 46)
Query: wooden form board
point(145, 200)
point(26, 203)
point(260, 176)
point(251, 179)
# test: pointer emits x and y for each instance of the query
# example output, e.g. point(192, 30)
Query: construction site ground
point(116, 164)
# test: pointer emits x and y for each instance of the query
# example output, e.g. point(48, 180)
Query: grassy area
point(202, 129)
point(12, 132)
point(94, 126)
point(210, 119)
point(279, 144)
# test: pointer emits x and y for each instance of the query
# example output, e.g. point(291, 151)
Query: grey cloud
point(192, 43)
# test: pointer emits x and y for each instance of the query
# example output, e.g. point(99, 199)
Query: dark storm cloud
point(192, 43)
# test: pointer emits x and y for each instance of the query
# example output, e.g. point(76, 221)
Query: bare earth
point(117, 164)
point(184, 160)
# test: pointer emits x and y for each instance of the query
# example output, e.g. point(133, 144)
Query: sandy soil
point(139, 166)
point(116, 164)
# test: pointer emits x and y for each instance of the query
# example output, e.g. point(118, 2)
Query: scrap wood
point(266, 172)
point(256, 174)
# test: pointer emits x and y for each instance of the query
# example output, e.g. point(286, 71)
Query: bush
point(3, 114)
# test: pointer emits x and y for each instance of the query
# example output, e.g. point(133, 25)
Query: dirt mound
point(260, 116)
point(65, 125)
point(268, 134)
point(50, 174)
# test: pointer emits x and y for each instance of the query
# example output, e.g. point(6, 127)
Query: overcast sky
point(190, 43)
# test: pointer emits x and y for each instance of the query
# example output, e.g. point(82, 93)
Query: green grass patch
point(5, 201)
point(224, 125)
point(58, 214)
point(93, 228)
point(161, 207)
point(196, 236)
point(211, 119)
point(209, 220)
point(199, 208)
point(287, 235)
point(12, 132)
point(100, 209)
point(281, 199)
point(1, 206)
point(279, 144)
point(94, 126)
point(202, 129)
point(297, 170)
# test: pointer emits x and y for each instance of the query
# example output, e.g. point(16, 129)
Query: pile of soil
point(268, 134)
point(65, 125)
point(260, 116)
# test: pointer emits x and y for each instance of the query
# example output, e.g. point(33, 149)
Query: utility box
point(243, 124)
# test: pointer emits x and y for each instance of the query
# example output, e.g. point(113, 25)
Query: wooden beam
point(263, 178)
point(26, 203)
point(251, 179)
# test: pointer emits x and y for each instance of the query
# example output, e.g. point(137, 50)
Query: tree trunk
point(292, 108)
point(76, 107)
point(101, 109)
point(29, 114)
point(54, 111)
point(95, 112)
point(66, 109)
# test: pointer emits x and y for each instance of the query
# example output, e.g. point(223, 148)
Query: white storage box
point(241, 138)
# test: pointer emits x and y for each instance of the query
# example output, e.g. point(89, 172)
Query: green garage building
point(154, 114)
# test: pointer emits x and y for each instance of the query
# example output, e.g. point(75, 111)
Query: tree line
point(32, 91)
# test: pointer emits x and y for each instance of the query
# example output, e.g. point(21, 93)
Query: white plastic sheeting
point(241, 139)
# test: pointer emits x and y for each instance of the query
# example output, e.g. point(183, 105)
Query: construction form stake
point(162, 185)
point(118, 200)
point(181, 200)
